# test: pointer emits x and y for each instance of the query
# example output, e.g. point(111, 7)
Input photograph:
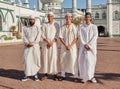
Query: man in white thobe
point(31, 39)
point(68, 57)
point(87, 56)
point(49, 47)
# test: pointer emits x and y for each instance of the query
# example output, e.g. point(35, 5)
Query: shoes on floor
point(44, 77)
point(25, 79)
point(61, 78)
point(56, 78)
point(93, 80)
point(83, 81)
point(36, 79)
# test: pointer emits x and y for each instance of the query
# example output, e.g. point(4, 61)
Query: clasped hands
point(49, 44)
point(87, 47)
point(68, 47)
point(30, 44)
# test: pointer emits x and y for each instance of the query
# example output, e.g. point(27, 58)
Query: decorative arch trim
point(11, 15)
point(3, 18)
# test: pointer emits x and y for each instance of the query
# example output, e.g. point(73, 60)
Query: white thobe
point(31, 54)
point(68, 58)
point(49, 55)
point(87, 59)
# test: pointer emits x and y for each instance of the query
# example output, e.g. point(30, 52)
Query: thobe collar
point(31, 26)
point(70, 25)
point(52, 23)
point(87, 25)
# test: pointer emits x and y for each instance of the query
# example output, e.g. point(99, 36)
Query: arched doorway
point(101, 31)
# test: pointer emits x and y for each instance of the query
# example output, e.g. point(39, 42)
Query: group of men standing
point(72, 60)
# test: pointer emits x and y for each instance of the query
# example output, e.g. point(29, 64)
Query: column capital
point(109, 1)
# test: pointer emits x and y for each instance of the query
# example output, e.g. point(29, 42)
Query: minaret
point(45, 7)
point(19, 3)
point(88, 6)
point(26, 3)
point(74, 6)
point(39, 5)
point(109, 17)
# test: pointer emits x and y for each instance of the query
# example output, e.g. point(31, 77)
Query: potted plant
point(12, 29)
point(18, 36)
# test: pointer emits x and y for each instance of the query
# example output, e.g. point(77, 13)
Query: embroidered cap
point(32, 17)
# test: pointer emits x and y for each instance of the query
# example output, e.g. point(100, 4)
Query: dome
point(48, 1)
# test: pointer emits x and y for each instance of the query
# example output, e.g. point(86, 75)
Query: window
point(97, 16)
point(119, 16)
point(116, 15)
point(103, 15)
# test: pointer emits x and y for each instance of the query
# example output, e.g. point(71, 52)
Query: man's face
point(50, 17)
point(68, 18)
point(88, 18)
point(31, 21)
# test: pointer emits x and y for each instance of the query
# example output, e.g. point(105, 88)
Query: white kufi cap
point(32, 17)
point(68, 14)
point(50, 13)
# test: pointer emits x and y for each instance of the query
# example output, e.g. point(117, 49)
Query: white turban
point(68, 14)
point(32, 17)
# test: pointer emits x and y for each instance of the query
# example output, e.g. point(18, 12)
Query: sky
point(68, 3)
point(82, 3)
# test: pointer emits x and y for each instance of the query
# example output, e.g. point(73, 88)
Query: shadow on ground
point(108, 50)
point(18, 74)
point(108, 76)
point(11, 73)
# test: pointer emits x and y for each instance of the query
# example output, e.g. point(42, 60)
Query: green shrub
point(12, 28)
point(8, 38)
point(3, 36)
point(18, 36)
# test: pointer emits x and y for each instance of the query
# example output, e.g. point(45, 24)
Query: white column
point(15, 21)
point(88, 5)
point(19, 2)
point(46, 7)
point(74, 5)
point(39, 5)
point(26, 1)
point(109, 17)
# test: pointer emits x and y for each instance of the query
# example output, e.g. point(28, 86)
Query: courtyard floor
point(107, 69)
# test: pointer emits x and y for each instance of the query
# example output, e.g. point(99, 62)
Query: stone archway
point(101, 31)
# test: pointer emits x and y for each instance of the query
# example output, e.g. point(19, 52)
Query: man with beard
point(31, 39)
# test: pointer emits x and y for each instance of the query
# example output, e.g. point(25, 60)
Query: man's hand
point(87, 47)
point(68, 47)
point(49, 44)
point(30, 44)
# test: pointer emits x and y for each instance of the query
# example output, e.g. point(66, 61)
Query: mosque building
point(107, 18)
point(14, 13)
